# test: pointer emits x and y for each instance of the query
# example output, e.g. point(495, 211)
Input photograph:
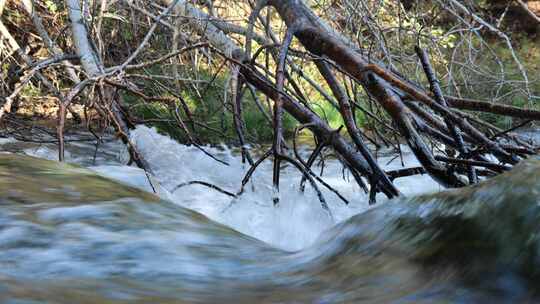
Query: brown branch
point(236, 103)
point(492, 166)
point(401, 116)
point(455, 132)
point(277, 145)
point(252, 169)
point(378, 177)
point(206, 184)
point(307, 168)
point(491, 107)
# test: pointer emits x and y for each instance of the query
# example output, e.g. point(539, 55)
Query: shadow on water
point(70, 236)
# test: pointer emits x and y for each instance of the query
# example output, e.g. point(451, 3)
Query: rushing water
point(68, 235)
point(294, 224)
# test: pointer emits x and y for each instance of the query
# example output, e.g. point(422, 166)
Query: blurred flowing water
point(70, 234)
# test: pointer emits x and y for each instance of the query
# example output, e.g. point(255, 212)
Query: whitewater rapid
point(295, 223)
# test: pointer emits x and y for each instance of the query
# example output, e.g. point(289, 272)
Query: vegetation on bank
point(207, 103)
point(209, 98)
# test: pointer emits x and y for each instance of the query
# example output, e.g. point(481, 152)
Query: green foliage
point(51, 6)
point(329, 113)
point(208, 108)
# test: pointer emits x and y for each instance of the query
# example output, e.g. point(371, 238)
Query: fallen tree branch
point(206, 184)
point(455, 132)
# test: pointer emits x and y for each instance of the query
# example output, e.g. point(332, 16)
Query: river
point(68, 235)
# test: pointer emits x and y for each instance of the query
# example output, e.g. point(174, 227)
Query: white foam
point(298, 219)
point(7, 140)
point(134, 177)
point(294, 223)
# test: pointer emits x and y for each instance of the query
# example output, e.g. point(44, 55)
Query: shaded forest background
point(472, 61)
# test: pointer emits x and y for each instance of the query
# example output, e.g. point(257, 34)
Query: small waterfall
point(293, 224)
